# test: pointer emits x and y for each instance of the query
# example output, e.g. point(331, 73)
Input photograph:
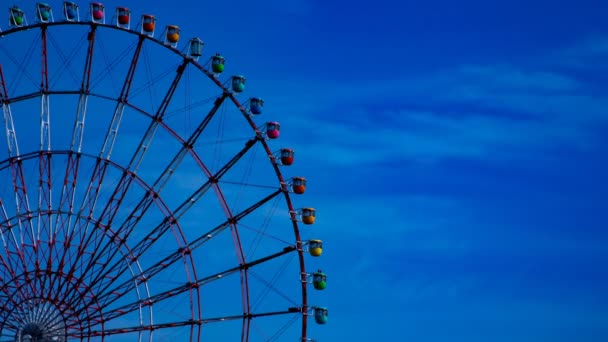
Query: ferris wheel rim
point(226, 92)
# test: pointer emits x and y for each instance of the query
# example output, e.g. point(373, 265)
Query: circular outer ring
point(298, 247)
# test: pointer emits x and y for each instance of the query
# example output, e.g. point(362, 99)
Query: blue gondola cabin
point(255, 105)
point(70, 11)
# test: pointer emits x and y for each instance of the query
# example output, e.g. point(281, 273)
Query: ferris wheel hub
point(41, 322)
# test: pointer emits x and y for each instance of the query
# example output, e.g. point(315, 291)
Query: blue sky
point(455, 152)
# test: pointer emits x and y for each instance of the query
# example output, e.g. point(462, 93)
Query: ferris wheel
point(142, 198)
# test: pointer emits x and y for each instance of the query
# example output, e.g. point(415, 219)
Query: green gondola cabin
point(217, 63)
point(16, 17)
point(321, 315)
point(319, 280)
point(43, 13)
point(238, 83)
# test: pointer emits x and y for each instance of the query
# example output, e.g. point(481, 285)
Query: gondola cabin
point(70, 11)
point(255, 105)
point(287, 156)
point(123, 17)
point(16, 17)
point(308, 215)
point(98, 12)
point(238, 83)
point(217, 63)
point(43, 13)
point(315, 247)
point(273, 130)
point(172, 34)
point(148, 24)
point(298, 185)
point(196, 48)
point(321, 315)
point(319, 280)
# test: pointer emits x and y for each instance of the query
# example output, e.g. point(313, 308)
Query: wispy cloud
point(471, 111)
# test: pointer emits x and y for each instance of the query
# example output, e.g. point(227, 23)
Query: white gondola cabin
point(195, 50)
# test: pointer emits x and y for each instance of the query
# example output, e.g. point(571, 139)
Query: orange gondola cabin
point(308, 215)
point(287, 156)
point(148, 24)
point(298, 185)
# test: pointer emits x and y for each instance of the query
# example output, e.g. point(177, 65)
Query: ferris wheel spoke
point(160, 113)
point(21, 62)
point(68, 191)
point(44, 161)
point(162, 228)
point(133, 329)
point(67, 59)
point(110, 65)
point(98, 254)
point(115, 293)
point(113, 204)
point(140, 209)
point(144, 204)
point(187, 146)
point(110, 137)
point(22, 206)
